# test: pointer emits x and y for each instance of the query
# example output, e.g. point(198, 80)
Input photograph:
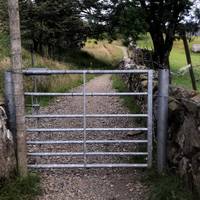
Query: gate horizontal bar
point(33, 105)
point(44, 71)
point(87, 94)
point(82, 129)
point(87, 116)
point(49, 154)
point(65, 166)
point(53, 142)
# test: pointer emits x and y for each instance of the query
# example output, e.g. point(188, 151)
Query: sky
point(196, 5)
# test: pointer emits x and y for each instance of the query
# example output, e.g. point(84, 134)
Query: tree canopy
point(49, 25)
point(54, 25)
point(130, 18)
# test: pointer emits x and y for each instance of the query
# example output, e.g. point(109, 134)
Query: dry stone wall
point(184, 135)
point(184, 125)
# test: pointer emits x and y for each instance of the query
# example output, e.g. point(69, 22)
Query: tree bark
point(16, 59)
point(162, 49)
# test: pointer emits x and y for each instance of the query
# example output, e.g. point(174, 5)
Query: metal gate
point(84, 94)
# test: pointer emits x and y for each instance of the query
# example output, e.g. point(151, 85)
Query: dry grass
point(94, 55)
point(110, 53)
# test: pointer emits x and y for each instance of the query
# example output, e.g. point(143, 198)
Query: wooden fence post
point(189, 60)
point(16, 59)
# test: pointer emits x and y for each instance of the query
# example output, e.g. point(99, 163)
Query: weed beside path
point(27, 188)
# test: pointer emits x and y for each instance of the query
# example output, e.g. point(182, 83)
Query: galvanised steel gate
point(85, 154)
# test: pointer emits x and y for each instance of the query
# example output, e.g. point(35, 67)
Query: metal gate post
point(9, 103)
point(162, 123)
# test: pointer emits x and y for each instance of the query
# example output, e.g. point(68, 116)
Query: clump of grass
point(167, 187)
point(21, 188)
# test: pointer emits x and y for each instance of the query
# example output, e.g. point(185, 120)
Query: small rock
point(173, 104)
point(134, 133)
point(196, 48)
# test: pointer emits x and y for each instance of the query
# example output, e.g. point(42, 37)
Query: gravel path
point(88, 184)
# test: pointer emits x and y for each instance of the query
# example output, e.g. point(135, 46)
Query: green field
point(178, 60)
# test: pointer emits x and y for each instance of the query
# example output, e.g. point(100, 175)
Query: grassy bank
point(95, 55)
point(178, 60)
point(108, 53)
point(128, 101)
point(21, 188)
point(167, 187)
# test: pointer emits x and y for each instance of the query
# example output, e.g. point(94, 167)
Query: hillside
point(94, 55)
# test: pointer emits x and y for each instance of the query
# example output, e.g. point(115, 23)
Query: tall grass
point(21, 188)
point(109, 53)
point(95, 55)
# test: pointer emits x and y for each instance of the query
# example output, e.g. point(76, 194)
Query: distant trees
point(52, 25)
point(49, 26)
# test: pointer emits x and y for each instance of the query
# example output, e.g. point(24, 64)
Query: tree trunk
point(15, 41)
point(162, 49)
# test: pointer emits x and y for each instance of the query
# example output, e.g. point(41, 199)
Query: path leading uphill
point(88, 184)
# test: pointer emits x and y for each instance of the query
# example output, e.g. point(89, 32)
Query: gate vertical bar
point(150, 117)
point(84, 118)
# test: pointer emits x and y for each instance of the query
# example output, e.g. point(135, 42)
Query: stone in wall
point(7, 154)
point(184, 136)
point(184, 126)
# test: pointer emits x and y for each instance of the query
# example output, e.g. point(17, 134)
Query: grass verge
point(128, 101)
point(21, 188)
point(167, 187)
